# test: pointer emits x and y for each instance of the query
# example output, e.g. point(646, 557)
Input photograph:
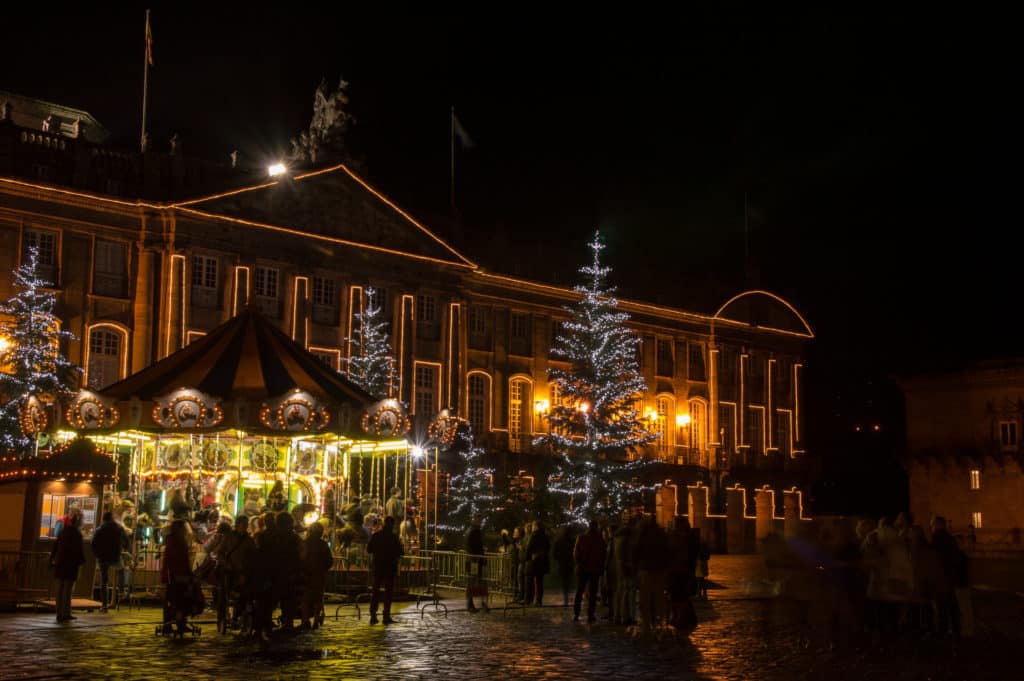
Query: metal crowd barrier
point(455, 570)
point(25, 576)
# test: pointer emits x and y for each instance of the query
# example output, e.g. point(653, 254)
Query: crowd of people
point(639, 572)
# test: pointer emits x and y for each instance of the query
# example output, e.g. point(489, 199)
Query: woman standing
point(67, 557)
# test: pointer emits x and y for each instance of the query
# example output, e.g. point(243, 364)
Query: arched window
point(479, 406)
point(665, 424)
point(698, 425)
point(105, 348)
point(519, 414)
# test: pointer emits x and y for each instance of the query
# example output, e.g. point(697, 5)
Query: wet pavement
point(741, 636)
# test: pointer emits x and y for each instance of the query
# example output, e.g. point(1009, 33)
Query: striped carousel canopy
point(248, 361)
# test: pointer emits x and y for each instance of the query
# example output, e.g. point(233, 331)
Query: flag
point(149, 41)
point(461, 133)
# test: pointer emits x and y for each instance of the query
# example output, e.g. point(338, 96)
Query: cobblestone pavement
point(739, 637)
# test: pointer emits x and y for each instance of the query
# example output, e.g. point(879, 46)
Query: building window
point(104, 358)
point(110, 269)
point(698, 425)
point(426, 390)
point(755, 431)
point(976, 520)
point(975, 479)
point(664, 358)
point(697, 371)
point(728, 362)
point(325, 306)
point(783, 427)
point(46, 248)
point(1008, 435)
point(518, 414)
point(204, 281)
point(266, 292)
point(427, 325)
point(479, 327)
point(479, 402)
point(519, 325)
point(664, 428)
point(727, 427)
point(328, 359)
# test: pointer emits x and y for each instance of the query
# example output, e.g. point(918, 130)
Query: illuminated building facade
point(963, 450)
point(141, 272)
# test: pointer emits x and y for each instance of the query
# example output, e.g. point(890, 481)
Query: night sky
point(870, 148)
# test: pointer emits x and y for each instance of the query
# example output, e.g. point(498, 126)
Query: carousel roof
point(246, 358)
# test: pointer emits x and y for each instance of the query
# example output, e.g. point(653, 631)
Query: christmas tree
point(471, 489)
point(371, 364)
point(31, 361)
point(594, 421)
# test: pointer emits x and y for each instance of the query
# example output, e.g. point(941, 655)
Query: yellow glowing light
point(584, 407)
point(541, 406)
point(277, 169)
point(682, 420)
point(4, 343)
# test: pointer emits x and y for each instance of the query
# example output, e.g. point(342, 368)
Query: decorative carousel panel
point(174, 456)
point(89, 410)
point(187, 408)
point(297, 412)
point(444, 427)
point(32, 416)
point(387, 418)
point(263, 457)
point(305, 459)
point(215, 454)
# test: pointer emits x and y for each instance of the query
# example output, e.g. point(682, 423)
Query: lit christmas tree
point(31, 361)
point(594, 423)
point(370, 364)
point(471, 490)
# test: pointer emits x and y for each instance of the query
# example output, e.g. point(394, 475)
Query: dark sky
point(871, 147)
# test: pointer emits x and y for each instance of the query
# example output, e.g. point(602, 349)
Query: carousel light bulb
point(417, 452)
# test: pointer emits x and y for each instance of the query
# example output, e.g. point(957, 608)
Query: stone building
point(963, 449)
point(141, 271)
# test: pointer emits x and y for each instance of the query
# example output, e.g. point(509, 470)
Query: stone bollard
point(764, 502)
point(791, 513)
point(698, 506)
point(735, 529)
point(666, 504)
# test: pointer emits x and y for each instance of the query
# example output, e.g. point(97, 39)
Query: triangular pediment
point(334, 203)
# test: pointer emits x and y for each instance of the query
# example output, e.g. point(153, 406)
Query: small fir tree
point(471, 489)
point(31, 361)
point(370, 363)
point(594, 423)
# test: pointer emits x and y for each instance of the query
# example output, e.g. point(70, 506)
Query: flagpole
point(145, 84)
point(452, 137)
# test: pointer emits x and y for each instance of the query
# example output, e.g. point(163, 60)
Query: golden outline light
point(527, 408)
point(331, 351)
point(401, 341)
point(770, 411)
point(234, 294)
point(489, 395)
point(122, 330)
point(452, 349)
point(718, 312)
point(764, 443)
point(789, 416)
point(295, 303)
point(352, 297)
point(735, 425)
point(796, 398)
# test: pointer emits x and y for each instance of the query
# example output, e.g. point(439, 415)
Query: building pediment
point(333, 203)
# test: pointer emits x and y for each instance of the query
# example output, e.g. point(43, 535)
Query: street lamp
point(276, 169)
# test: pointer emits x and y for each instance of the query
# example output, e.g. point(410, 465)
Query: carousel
point(241, 421)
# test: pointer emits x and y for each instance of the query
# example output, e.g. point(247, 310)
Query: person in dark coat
point(287, 558)
point(514, 552)
point(316, 563)
point(386, 550)
point(954, 575)
point(652, 555)
point(589, 555)
point(538, 553)
point(475, 564)
point(176, 574)
point(682, 569)
point(562, 549)
point(67, 557)
point(107, 544)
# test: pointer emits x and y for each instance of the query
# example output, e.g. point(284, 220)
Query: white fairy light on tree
point(370, 363)
point(471, 490)
point(31, 361)
point(594, 424)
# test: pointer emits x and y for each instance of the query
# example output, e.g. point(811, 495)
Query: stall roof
point(246, 358)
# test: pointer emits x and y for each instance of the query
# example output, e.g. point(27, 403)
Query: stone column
point(666, 503)
point(791, 513)
point(735, 530)
point(698, 506)
point(764, 502)
point(142, 311)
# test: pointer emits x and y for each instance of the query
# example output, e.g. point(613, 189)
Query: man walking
point(386, 550)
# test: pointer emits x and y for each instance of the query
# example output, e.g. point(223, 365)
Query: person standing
point(176, 574)
point(67, 557)
point(395, 508)
point(525, 579)
point(316, 563)
point(563, 553)
point(475, 550)
point(625, 572)
point(513, 553)
point(386, 550)
point(652, 560)
point(539, 553)
point(107, 544)
point(589, 556)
